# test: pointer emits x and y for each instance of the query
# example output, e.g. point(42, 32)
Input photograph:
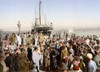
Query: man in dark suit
point(9, 62)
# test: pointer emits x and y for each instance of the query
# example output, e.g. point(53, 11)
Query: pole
point(19, 30)
point(40, 11)
point(19, 26)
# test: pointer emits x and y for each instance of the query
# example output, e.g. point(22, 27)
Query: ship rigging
point(39, 27)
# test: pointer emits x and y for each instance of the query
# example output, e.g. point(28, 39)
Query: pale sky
point(63, 14)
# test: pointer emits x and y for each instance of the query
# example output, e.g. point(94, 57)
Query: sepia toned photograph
point(49, 35)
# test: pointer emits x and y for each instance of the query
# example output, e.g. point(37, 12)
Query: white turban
point(89, 55)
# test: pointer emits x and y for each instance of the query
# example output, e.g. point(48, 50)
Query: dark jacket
point(29, 55)
point(9, 62)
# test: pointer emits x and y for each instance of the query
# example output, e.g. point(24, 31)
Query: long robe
point(29, 54)
point(47, 59)
point(19, 40)
point(53, 56)
point(36, 58)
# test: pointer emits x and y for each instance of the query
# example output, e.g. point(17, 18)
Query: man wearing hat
point(36, 58)
point(91, 65)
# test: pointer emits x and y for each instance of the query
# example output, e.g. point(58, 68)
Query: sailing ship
point(39, 27)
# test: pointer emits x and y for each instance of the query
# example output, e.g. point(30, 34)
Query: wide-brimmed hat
point(62, 67)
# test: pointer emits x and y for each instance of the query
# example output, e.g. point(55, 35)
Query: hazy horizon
point(64, 14)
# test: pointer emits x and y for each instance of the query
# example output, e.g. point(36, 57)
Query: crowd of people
point(29, 52)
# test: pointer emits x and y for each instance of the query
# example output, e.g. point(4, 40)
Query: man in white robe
point(40, 51)
point(19, 40)
point(36, 58)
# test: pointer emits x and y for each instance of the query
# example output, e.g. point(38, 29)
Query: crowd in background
point(29, 52)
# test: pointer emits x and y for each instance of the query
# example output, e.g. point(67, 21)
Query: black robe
point(29, 55)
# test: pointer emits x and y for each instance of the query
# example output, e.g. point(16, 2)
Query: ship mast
point(40, 11)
